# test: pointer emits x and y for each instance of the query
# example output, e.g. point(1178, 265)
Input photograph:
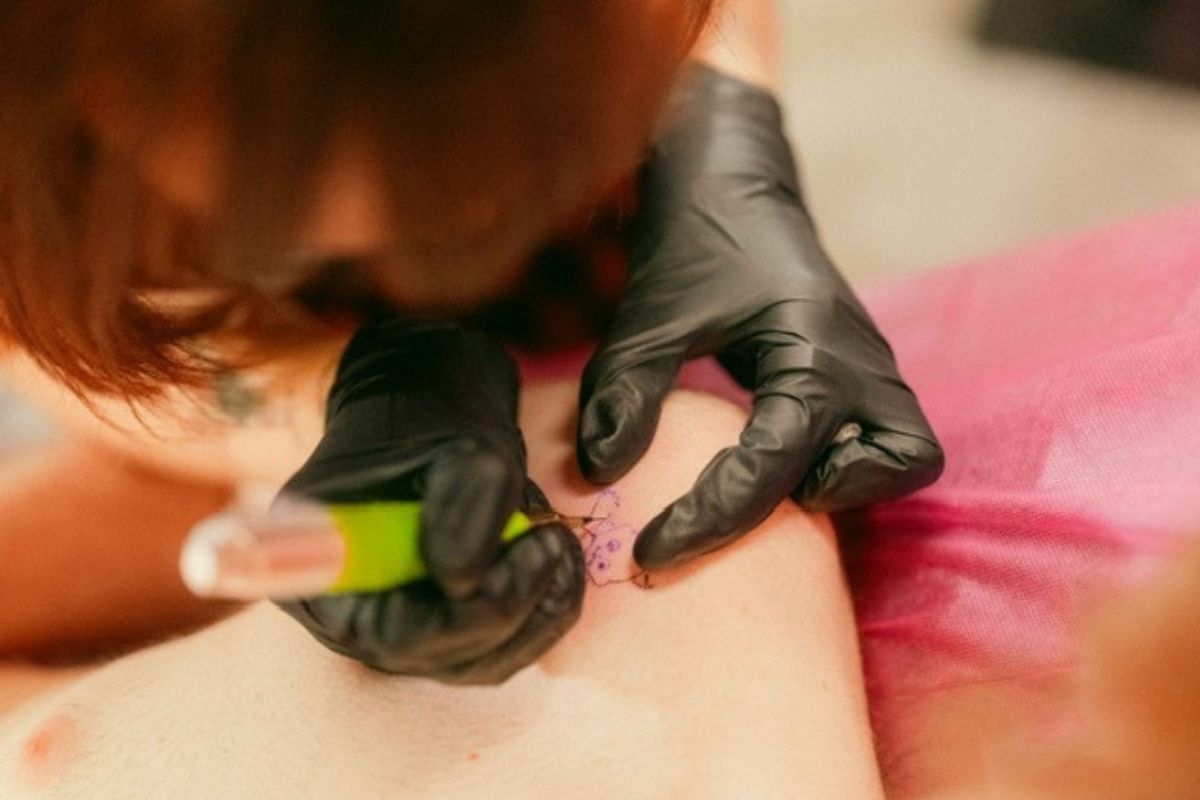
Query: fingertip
point(619, 411)
point(458, 584)
point(659, 545)
point(721, 507)
point(535, 499)
point(615, 430)
point(932, 460)
point(470, 497)
point(458, 576)
point(551, 537)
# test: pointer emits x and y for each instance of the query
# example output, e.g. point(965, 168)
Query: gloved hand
point(724, 260)
point(428, 410)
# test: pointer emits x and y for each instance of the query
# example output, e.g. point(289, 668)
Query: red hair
point(88, 252)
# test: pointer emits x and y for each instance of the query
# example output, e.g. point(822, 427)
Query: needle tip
point(577, 522)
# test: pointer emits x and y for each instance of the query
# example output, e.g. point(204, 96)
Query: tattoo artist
point(724, 261)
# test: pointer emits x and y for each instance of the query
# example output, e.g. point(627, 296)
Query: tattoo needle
point(574, 523)
point(300, 548)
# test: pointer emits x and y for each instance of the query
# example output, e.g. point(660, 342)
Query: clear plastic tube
point(293, 551)
point(298, 549)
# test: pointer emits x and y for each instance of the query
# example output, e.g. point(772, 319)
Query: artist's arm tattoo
point(244, 402)
point(236, 399)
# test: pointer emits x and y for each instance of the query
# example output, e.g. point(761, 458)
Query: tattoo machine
point(301, 549)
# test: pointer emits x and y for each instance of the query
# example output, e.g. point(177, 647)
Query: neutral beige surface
point(921, 147)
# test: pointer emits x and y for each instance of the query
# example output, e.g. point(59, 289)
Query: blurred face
point(501, 155)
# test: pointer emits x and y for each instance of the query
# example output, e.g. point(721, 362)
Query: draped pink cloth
point(1064, 382)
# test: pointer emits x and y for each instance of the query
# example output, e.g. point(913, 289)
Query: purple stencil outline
point(600, 542)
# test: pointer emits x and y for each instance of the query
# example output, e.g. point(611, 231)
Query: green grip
point(382, 544)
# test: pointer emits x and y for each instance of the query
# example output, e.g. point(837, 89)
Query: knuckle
point(510, 584)
point(470, 448)
point(929, 459)
point(567, 584)
point(529, 555)
point(917, 452)
point(389, 628)
point(560, 610)
point(456, 575)
point(534, 498)
point(610, 368)
point(812, 377)
point(487, 462)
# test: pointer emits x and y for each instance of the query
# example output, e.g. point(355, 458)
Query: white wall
point(920, 147)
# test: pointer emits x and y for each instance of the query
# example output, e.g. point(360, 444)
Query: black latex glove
point(725, 261)
point(427, 410)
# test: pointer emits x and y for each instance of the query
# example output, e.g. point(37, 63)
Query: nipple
point(49, 748)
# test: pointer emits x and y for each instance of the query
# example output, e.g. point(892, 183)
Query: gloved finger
point(871, 467)
point(416, 630)
point(892, 452)
point(535, 500)
point(333, 475)
point(620, 405)
point(742, 484)
point(471, 490)
point(555, 613)
point(526, 602)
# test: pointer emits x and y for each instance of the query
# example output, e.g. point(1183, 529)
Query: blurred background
point(930, 131)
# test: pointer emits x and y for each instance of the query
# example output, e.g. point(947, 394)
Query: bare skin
point(741, 41)
point(736, 676)
point(85, 523)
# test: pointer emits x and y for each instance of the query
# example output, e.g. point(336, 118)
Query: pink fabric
point(1064, 382)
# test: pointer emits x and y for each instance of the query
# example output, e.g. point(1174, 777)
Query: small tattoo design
point(608, 545)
